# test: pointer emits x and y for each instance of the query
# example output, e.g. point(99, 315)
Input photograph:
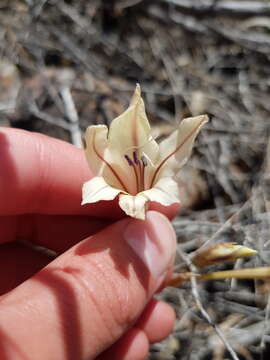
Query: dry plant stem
point(253, 273)
point(127, 4)
point(72, 115)
point(232, 7)
point(47, 118)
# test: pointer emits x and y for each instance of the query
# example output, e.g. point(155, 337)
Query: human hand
point(94, 299)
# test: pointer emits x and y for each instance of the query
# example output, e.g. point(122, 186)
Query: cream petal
point(98, 159)
point(176, 149)
point(96, 143)
point(97, 189)
point(133, 206)
point(136, 95)
point(165, 192)
point(131, 131)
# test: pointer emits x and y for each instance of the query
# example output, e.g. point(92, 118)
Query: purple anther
point(144, 160)
point(135, 158)
point(130, 162)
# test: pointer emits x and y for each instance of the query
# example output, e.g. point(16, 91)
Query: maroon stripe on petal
point(109, 166)
point(174, 152)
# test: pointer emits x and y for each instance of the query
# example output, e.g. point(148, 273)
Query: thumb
point(88, 297)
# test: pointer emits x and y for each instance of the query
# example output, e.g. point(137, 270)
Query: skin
point(40, 192)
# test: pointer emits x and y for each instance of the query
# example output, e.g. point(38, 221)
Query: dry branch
point(223, 7)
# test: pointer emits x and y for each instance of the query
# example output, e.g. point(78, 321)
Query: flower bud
point(221, 253)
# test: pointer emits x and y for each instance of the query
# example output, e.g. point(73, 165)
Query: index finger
point(39, 174)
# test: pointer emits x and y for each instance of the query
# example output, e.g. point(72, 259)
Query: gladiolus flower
point(127, 161)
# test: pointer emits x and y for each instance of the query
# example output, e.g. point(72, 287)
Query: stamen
point(138, 166)
point(130, 162)
point(144, 160)
point(135, 157)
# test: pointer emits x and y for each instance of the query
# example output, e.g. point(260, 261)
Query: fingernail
point(153, 240)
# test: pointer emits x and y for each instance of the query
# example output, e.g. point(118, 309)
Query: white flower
point(128, 162)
